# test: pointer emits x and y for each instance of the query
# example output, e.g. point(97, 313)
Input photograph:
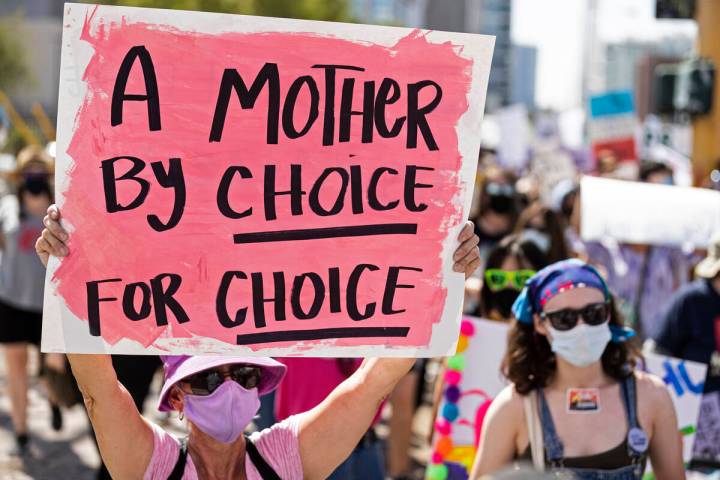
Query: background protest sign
point(685, 381)
point(633, 212)
point(226, 193)
point(612, 124)
point(481, 381)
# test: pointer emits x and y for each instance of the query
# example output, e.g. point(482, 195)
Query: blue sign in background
point(619, 102)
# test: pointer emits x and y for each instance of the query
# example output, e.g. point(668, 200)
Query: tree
point(335, 10)
point(13, 69)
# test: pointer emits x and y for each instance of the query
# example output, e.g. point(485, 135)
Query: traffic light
point(694, 86)
point(685, 87)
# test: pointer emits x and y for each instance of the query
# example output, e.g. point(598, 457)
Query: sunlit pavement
point(68, 454)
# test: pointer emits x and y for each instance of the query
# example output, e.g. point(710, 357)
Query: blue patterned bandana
point(555, 279)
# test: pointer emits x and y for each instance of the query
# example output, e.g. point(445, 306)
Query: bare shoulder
point(652, 391)
point(508, 404)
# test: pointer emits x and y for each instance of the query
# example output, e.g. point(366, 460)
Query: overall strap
point(264, 468)
point(553, 446)
point(179, 469)
point(629, 395)
point(637, 439)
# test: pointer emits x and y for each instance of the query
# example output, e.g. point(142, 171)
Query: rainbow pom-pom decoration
point(438, 470)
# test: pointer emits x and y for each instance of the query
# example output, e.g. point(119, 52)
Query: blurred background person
point(22, 279)
point(690, 329)
point(307, 382)
point(498, 208)
point(542, 226)
point(509, 265)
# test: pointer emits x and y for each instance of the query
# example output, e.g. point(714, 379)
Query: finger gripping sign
point(245, 184)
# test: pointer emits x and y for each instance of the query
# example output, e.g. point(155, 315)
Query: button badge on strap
point(638, 440)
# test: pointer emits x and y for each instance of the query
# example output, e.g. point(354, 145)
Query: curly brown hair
point(529, 362)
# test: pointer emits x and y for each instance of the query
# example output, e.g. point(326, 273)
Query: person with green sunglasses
point(509, 265)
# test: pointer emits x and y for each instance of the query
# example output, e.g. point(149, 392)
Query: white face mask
point(581, 345)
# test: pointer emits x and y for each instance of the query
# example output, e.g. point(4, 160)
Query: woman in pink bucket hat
point(219, 396)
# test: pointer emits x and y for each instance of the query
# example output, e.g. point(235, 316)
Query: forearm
point(378, 376)
point(124, 438)
point(95, 374)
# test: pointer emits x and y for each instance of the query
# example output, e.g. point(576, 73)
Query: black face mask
point(503, 300)
point(501, 197)
point(488, 237)
point(36, 184)
point(501, 203)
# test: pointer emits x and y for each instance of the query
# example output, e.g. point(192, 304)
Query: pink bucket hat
point(178, 367)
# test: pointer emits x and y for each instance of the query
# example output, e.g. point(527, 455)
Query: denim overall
point(637, 443)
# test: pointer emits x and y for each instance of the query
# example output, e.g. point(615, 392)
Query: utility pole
point(706, 128)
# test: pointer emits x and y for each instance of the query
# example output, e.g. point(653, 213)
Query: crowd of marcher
point(579, 311)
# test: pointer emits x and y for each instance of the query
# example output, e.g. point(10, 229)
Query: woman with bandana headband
point(219, 396)
point(576, 404)
point(22, 278)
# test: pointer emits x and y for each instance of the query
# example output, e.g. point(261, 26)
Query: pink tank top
point(278, 445)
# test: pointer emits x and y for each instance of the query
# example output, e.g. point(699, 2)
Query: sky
point(557, 28)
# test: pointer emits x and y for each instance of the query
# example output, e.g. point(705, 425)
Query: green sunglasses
point(497, 279)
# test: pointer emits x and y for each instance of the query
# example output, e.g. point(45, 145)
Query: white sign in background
point(643, 213)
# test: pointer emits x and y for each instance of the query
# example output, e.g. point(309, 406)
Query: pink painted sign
point(245, 184)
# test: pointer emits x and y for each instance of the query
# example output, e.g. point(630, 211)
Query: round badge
point(638, 440)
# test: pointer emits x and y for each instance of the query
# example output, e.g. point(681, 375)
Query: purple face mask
point(225, 413)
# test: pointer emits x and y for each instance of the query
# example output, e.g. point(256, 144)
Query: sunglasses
point(497, 279)
point(566, 319)
point(207, 381)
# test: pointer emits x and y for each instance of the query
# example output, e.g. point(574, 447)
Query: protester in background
point(498, 208)
point(576, 403)
point(690, 329)
point(607, 163)
point(541, 225)
point(404, 400)
point(510, 264)
point(22, 279)
point(307, 382)
point(656, 172)
point(308, 445)
point(565, 202)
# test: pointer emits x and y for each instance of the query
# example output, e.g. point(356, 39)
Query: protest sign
point(514, 147)
point(685, 381)
point(480, 380)
point(612, 124)
point(643, 213)
point(239, 184)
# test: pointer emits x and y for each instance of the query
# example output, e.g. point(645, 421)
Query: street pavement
point(68, 454)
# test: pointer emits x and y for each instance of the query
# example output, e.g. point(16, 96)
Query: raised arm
point(124, 437)
point(330, 431)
